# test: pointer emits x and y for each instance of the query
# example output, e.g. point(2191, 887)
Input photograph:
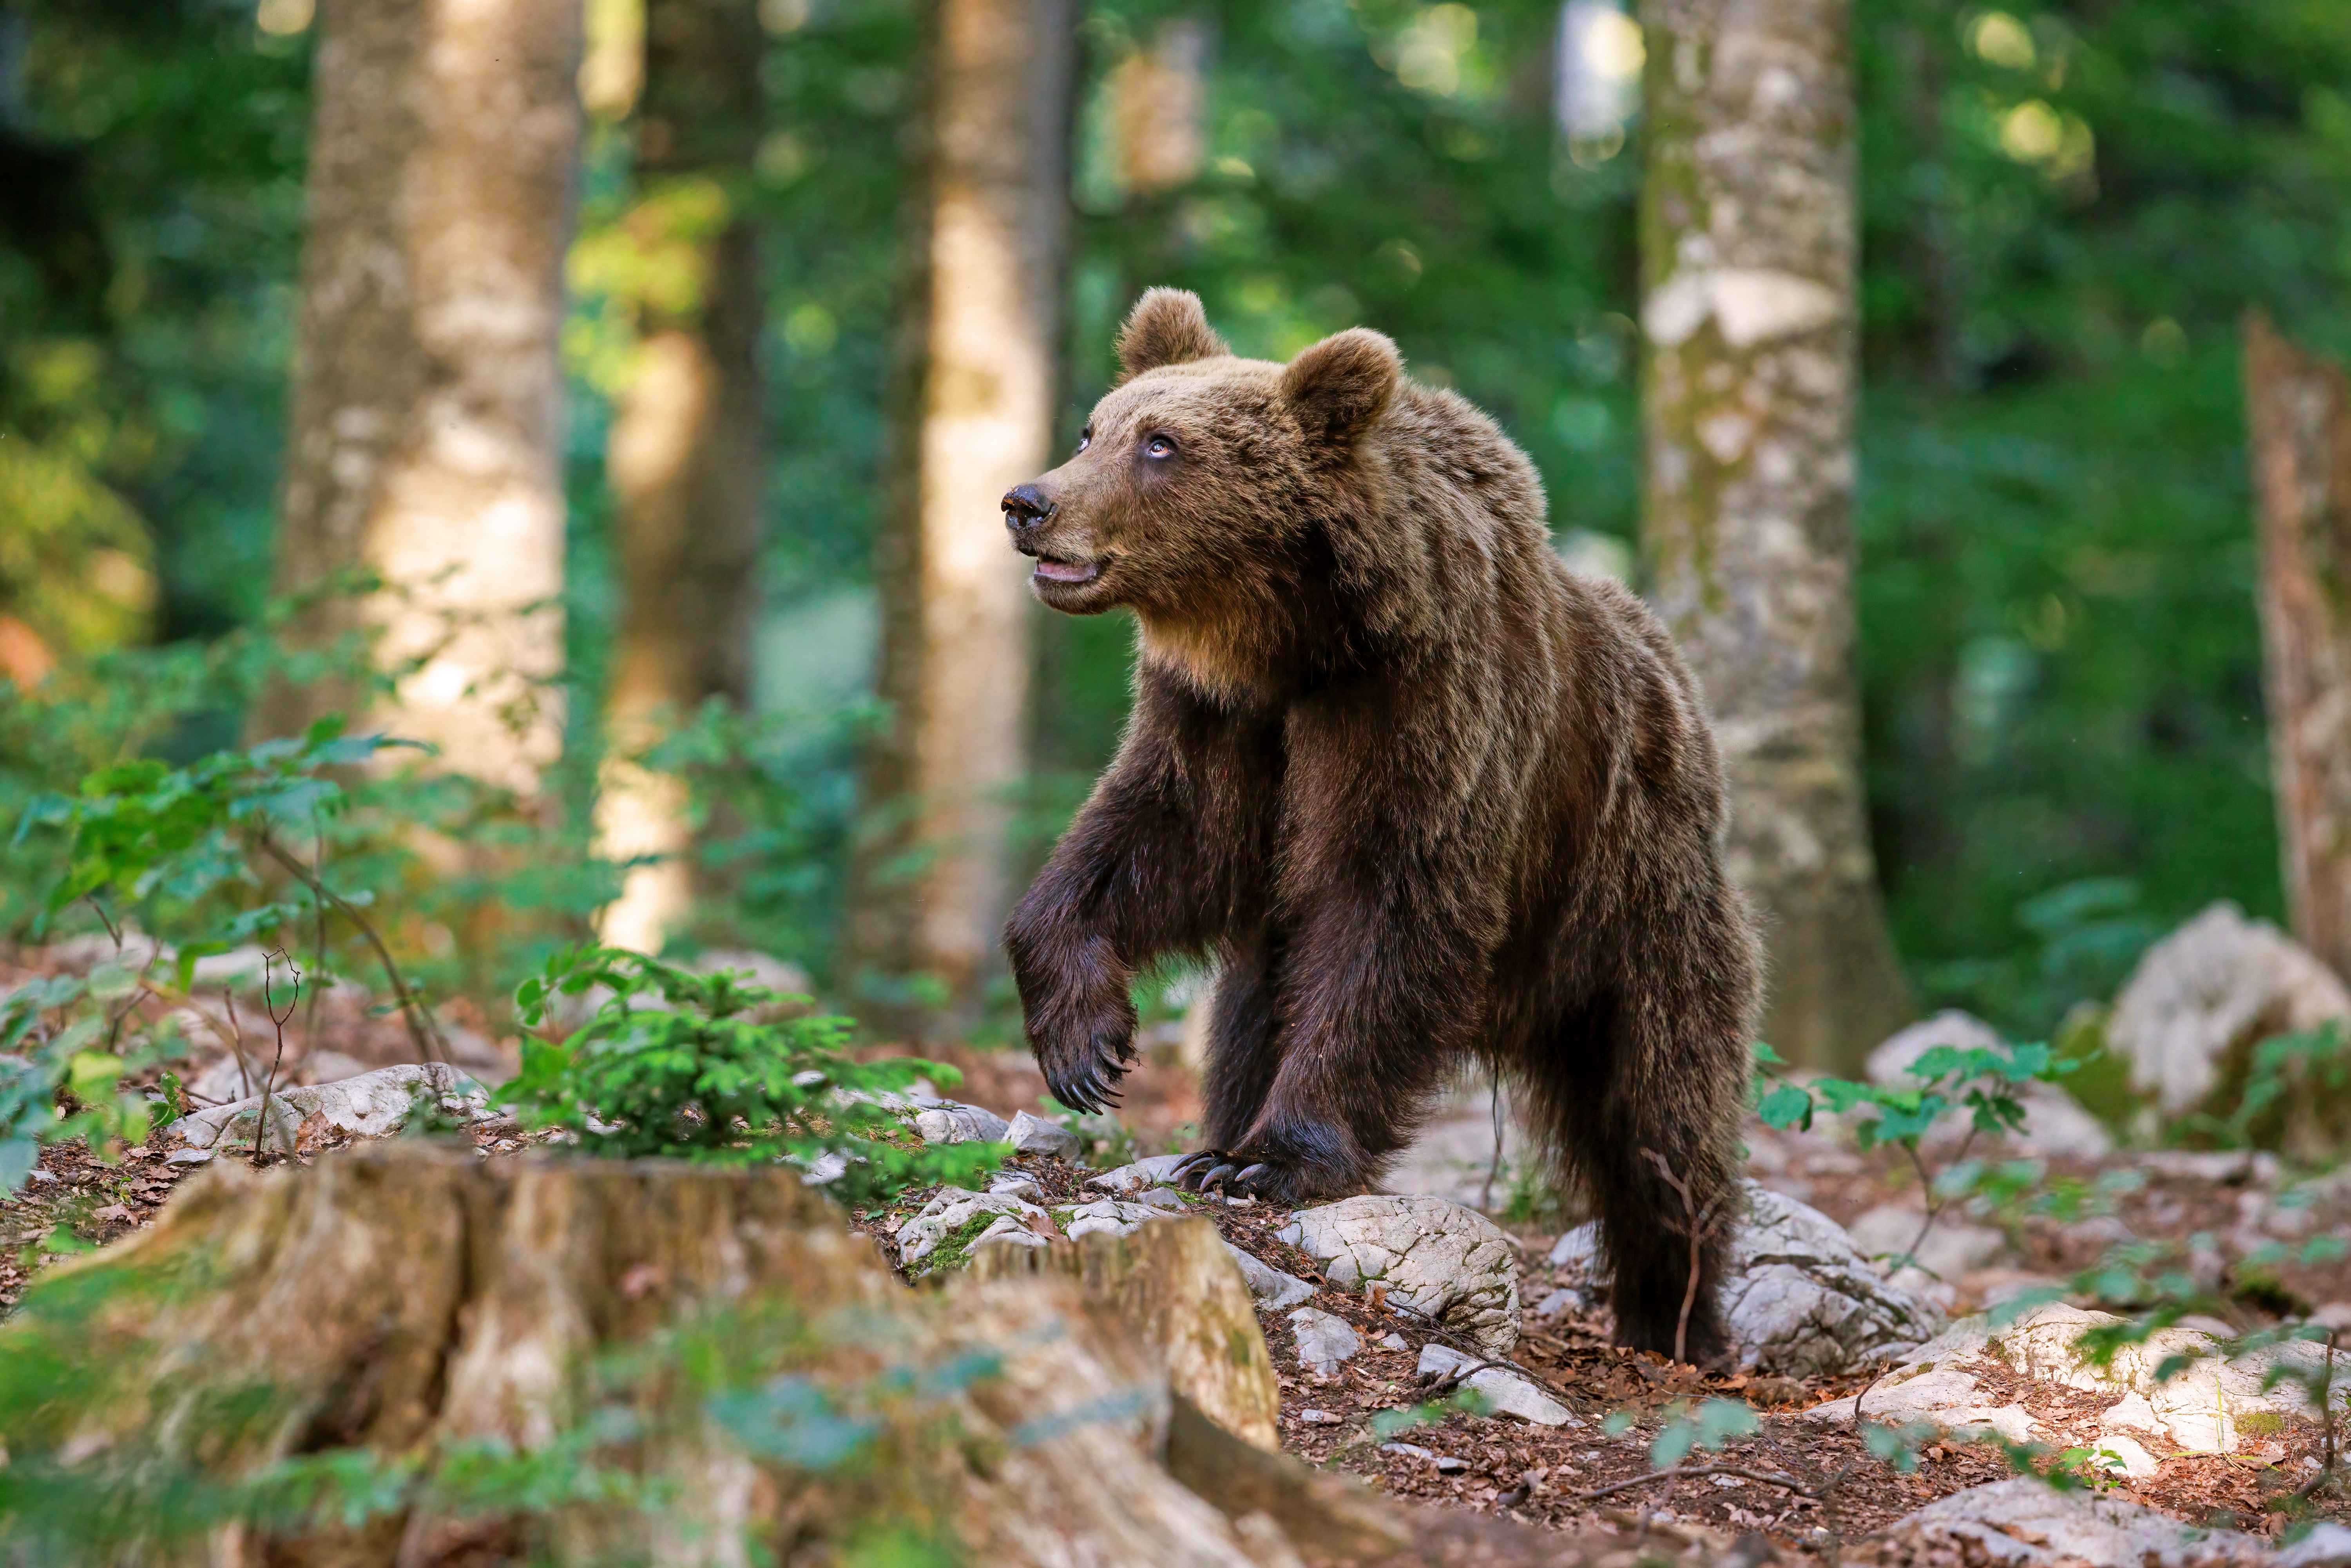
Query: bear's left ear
point(1339, 386)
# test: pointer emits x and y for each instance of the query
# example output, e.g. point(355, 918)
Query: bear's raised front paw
point(1236, 1176)
point(1085, 1077)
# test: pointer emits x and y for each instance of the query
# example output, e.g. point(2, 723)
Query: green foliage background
point(2058, 642)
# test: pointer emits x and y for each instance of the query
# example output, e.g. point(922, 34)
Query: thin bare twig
point(1698, 1225)
point(1864, 1393)
point(422, 1031)
point(112, 929)
point(269, 1001)
point(1926, 1194)
point(1461, 1342)
point(1679, 1472)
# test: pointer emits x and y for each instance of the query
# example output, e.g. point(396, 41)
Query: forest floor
point(2203, 1205)
point(2212, 1207)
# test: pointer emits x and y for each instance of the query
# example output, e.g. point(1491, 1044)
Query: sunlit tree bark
point(955, 614)
point(2299, 411)
point(427, 394)
point(684, 458)
point(1748, 221)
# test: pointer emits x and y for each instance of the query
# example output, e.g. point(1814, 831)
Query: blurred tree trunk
point(427, 394)
point(1748, 253)
point(2299, 412)
point(684, 457)
point(977, 419)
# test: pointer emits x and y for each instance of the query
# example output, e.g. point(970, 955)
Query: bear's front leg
point(1162, 858)
point(1374, 1016)
point(1073, 992)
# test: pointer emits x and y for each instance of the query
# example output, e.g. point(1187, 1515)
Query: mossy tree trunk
point(2299, 413)
point(977, 419)
point(686, 458)
point(427, 390)
point(1748, 258)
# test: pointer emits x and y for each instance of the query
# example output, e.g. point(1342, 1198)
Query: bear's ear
point(1339, 386)
point(1166, 326)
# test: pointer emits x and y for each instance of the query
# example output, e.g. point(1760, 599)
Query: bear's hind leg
point(1628, 1085)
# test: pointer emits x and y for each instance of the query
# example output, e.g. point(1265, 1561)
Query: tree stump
point(1174, 1287)
point(581, 1361)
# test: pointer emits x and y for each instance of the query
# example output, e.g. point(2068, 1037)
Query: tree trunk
point(1748, 256)
point(684, 457)
point(571, 1360)
point(427, 393)
point(930, 881)
point(2298, 409)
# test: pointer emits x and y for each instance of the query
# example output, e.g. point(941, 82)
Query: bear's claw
point(1083, 1089)
point(1236, 1176)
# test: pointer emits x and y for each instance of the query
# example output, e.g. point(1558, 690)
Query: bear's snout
point(1026, 508)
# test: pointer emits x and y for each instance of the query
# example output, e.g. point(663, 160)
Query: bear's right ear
point(1166, 326)
point(1339, 386)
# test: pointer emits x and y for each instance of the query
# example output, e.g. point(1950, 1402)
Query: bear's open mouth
point(1053, 570)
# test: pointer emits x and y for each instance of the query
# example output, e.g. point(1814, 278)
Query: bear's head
point(1207, 490)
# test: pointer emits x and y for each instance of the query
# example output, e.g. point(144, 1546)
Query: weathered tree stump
point(590, 1361)
point(1172, 1285)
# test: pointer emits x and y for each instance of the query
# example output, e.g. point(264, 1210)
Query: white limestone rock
point(1153, 1171)
point(1798, 1296)
point(1116, 1217)
point(370, 1105)
point(1268, 1286)
point(2328, 1546)
point(1009, 1230)
point(1324, 1339)
point(958, 1124)
point(2197, 1410)
point(1951, 1249)
point(951, 1210)
point(1508, 1393)
point(2125, 1456)
point(2202, 997)
point(1030, 1134)
point(2022, 1522)
point(1437, 1259)
point(1944, 1397)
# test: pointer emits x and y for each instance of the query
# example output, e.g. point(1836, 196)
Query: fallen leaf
point(113, 1211)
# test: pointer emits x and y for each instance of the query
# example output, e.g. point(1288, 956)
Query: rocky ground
point(1378, 1309)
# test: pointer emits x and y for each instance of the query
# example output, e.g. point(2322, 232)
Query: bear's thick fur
point(1426, 795)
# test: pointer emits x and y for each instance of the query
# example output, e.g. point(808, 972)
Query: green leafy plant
point(62, 1073)
point(669, 1062)
point(1708, 1425)
point(1978, 1080)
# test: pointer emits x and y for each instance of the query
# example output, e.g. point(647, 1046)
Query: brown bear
point(1424, 795)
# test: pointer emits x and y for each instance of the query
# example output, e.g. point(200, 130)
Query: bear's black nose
point(1025, 507)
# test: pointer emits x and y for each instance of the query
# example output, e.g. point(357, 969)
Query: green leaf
point(1787, 1105)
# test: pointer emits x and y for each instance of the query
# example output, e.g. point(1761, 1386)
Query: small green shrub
point(674, 1063)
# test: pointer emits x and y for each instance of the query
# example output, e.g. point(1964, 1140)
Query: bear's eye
point(1085, 438)
point(1159, 446)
